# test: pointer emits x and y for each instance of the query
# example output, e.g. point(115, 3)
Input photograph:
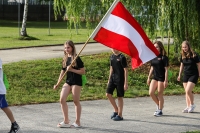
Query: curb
point(43, 46)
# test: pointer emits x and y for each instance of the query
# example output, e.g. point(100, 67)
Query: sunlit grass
point(32, 81)
point(57, 34)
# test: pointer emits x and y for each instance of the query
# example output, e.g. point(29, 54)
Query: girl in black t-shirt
point(190, 66)
point(73, 83)
point(159, 69)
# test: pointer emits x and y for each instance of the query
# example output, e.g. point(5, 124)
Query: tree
point(180, 18)
point(23, 30)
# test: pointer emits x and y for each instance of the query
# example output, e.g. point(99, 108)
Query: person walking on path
point(190, 67)
point(159, 69)
point(73, 84)
point(118, 78)
point(4, 105)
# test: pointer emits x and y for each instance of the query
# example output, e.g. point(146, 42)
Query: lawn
point(59, 33)
point(32, 81)
point(41, 34)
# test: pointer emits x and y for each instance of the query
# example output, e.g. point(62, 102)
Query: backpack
point(84, 79)
point(5, 81)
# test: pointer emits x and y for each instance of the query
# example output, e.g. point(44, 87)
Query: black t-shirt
point(159, 63)
point(190, 66)
point(74, 77)
point(118, 63)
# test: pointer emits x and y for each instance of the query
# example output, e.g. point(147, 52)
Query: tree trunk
point(23, 30)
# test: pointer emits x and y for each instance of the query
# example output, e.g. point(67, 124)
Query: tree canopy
point(180, 18)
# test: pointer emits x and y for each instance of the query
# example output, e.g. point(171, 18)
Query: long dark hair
point(71, 44)
point(162, 49)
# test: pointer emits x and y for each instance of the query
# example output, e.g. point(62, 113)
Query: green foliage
point(27, 38)
point(180, 19)
point(32, 81)
point(192, 132)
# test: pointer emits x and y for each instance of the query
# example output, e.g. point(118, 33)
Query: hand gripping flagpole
point(72, 62)
point(91, 36)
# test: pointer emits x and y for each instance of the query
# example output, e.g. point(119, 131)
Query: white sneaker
point(159, 113)
point(157, 108)
point(191, 109)
point(185, 110)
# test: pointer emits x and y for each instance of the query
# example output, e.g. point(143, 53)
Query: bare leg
point(63, 96)
point(152, 89)
point(160, 94)
point(120, 106)
point(76, 91)
point(112, 101)
point(9, 114)
point(186, 95)
point(190, 96)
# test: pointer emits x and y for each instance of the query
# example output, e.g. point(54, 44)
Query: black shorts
point(70, 84)
point(119, 88)
point(191, 78)
point(159, 79)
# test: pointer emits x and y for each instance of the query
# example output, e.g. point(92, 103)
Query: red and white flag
point(119, 30)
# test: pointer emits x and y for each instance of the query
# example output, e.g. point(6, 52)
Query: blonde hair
point(190, 53)
point(71, 44)
point(162, 49)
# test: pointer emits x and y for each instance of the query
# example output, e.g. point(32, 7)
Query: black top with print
point(118, 63)
point(159, 63)
point(74, 77)
point(190, 66)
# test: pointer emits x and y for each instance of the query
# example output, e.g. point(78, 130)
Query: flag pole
point(72, 62)
point(91, 36)
point(104, 17)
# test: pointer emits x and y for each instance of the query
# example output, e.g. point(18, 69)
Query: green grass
point(32, 81)
point(193, 132)
point(38, 33)
point(59, 33)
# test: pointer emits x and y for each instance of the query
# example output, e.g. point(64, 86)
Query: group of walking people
point(189, 66)
point(118, 79)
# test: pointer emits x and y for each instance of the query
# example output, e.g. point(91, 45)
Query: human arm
point(111, 71)
point(198, 66)
point(80, 65)
point(149, 76)
point(60, 76)
point(125, 78)
point(180, 72)
point(166, 77)
point(80, 71)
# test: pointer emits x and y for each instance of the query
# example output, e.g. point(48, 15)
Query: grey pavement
point(34, 53)
point(95, 118)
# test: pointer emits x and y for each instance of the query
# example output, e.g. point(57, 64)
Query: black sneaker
point(114, 115)
point(118, 118)
point(14, 128)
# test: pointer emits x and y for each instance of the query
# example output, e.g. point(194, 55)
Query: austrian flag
point(119, 30)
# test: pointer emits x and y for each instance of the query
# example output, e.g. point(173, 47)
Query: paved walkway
point(138, 112)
